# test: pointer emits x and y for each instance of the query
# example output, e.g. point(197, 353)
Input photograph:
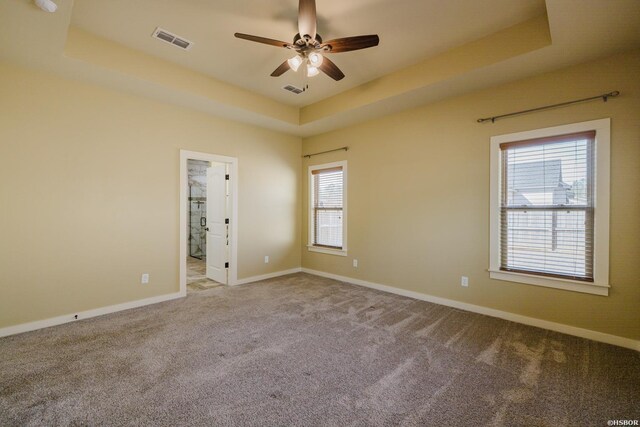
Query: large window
point(327, 214)
point(544, 225)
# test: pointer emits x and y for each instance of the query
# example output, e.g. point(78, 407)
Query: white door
point(216, 227)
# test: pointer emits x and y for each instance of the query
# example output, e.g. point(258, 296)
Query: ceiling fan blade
point(331, 69)
point(263, 40)
point(307, 20)
point(283, 68)
point(347, 44)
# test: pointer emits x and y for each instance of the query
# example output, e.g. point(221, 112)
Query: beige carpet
point(303, 350)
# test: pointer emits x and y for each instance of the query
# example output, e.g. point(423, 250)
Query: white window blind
point(327, 207)
point(546, 206)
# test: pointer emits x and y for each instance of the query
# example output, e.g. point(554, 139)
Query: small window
point(546, 213)
point(327, 216)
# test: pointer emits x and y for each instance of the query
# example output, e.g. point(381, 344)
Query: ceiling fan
point(309, 46)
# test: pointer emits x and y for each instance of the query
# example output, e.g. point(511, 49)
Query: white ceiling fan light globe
point(46, 5)
point(295, 62)
point(315, 59)
point(312, 71)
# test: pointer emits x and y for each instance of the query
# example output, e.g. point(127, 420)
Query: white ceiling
point(409, 30)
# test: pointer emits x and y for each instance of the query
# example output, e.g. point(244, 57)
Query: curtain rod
point(328, 151)
point(604, 97)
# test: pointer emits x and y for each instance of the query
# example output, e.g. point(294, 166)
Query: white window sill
point(557, 283)
point(329, 251)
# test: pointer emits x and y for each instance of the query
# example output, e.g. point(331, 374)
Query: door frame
point(232, 162)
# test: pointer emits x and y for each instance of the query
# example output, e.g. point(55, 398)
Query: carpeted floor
point(304, 350)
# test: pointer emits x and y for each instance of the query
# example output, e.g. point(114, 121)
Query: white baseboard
point(545, 324)
point(531, 321)
point(54, 321)
point(267, 276)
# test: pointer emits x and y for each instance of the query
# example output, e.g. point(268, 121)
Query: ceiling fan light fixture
point(295, 62)
point(315, 59)
point(309, 47)
point(312, 71)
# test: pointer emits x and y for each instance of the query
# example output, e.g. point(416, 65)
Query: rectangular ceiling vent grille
point(168, 37)
point(293, 89)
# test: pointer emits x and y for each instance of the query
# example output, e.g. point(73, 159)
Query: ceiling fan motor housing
point(307, 41)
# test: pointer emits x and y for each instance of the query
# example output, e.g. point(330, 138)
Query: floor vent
point(293, 89)
point(168, 37)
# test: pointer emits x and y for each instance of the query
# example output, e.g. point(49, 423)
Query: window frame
point(600, 284)
point(310, 245)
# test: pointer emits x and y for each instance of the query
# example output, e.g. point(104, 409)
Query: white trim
point(184, 185)
point(343, 251)
point(601, 204)
point(555, 282)
point(268, 276)
point(59, 320)
point(338, 252)
point(531, 321)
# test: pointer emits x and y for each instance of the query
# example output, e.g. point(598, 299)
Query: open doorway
point(198, 172)
point(208, 221)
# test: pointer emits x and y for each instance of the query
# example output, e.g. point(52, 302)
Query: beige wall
point(418, 188)
point(89, 194)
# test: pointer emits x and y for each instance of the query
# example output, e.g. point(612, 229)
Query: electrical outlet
point(464, 281)
point(144, 279)
point(266, 259)
point(355, 263)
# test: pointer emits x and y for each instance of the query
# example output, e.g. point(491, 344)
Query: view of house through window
point(546, 206)
point(327, 207)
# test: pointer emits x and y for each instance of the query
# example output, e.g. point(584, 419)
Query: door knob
point(206, 229)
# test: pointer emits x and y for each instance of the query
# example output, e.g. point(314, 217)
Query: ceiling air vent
point(293, 89)
point(168, 37)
